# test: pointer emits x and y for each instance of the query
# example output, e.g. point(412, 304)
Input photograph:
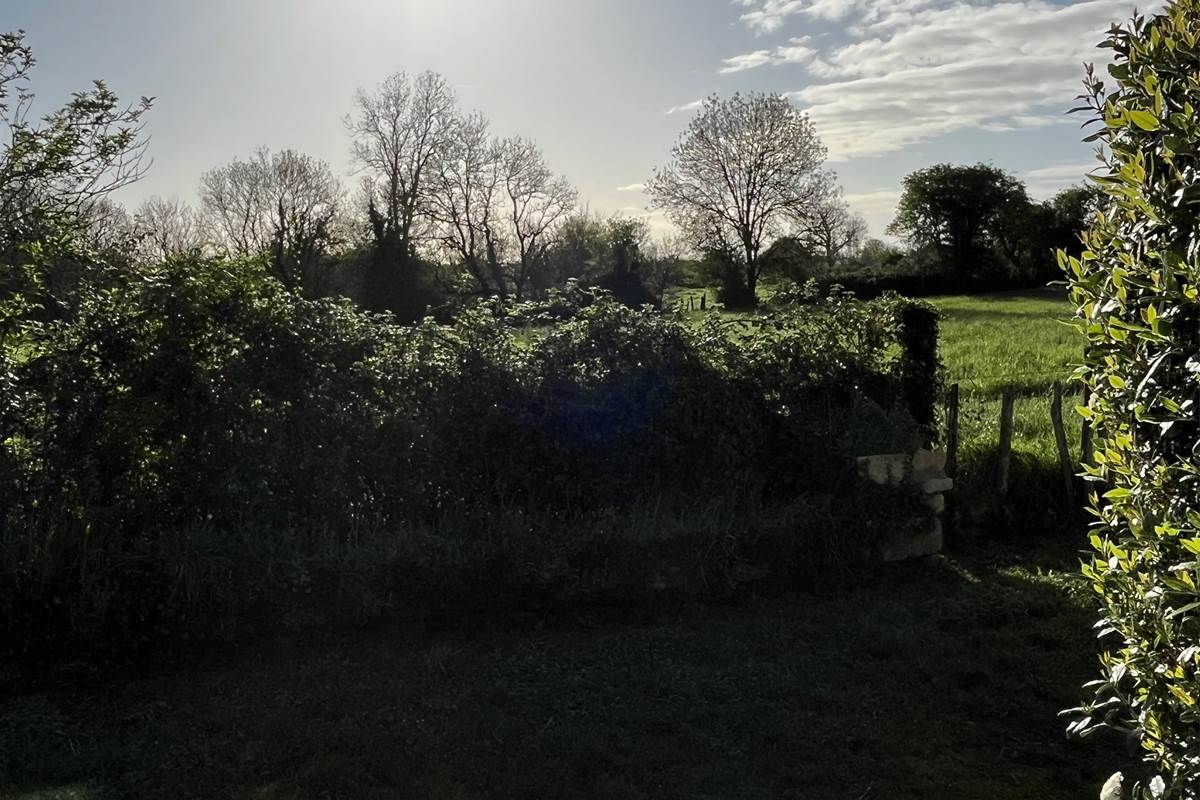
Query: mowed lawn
point(907, 681)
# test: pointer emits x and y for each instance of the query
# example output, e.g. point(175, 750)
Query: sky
point(604, 86)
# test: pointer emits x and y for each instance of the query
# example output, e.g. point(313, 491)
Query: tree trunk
point(752, 281)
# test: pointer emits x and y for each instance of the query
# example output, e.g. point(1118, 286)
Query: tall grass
point(1017, 341)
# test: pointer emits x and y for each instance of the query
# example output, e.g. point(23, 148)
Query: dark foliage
point(725, 269)
point(920, 369)
point(195, 424)
point(974, 229)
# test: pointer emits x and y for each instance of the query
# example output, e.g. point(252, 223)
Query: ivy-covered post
point(920, 367)
point(1137, 286)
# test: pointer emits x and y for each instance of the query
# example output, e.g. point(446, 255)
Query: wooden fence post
point(1005, 451)
point(1060, 438)
point(952, 431)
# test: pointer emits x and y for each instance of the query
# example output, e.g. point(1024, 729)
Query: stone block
point(936, 539)
point(929, 461)
point(1114, 788)
point(937, 485)
point(885, 470)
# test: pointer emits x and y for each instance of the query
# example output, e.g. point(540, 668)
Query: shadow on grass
point(987, 313)
point(1049, 293)
point(913, 682)
point(1035, 512)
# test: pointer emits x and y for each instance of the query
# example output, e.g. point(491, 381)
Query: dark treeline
point(441, 212)
point(964, 229)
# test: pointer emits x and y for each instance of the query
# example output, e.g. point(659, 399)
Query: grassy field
point(908, 681)
point(1010, 340)
point(1016, 341)
point(915, 682)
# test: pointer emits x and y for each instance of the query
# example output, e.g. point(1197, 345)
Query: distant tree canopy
point(746, 170)
point(792, 258)
point(444, 210)
point(828, 229)
point(958, 210)
point(167, 227)
point(982, 226)
point(282, 205)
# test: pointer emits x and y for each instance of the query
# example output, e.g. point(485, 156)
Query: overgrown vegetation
point(185, 409)
point(1139, 306)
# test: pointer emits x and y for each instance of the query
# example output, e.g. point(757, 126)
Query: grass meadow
point(903, 681)
point(1018, 341)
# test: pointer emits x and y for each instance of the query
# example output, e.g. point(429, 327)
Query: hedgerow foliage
point(1138, 289)
point(195, 419)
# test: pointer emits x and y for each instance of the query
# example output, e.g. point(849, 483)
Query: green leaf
point(1144, 120)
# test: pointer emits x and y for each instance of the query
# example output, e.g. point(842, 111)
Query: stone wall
point(923, 472)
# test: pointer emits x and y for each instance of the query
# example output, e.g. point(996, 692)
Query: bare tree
point(464, 203)
point(284, 205)
point(536, 201)
point(168, 227)
point(398, 131)
point(109, 229)
point(743, 168)
point(305, 201)
point(234, 200)
point(828, 228)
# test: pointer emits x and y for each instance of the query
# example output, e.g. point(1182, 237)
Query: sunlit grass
point(1010, 340)
point(1015, 341)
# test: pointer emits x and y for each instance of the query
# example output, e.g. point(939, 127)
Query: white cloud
point(1025, 122)
point(877, 207)
point(692, 106)
point(633, 187)
point(1045, 182)
point(917, 69)
point(832, 9)
point(746, 61)
point(767, 16)
point(796, 51)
